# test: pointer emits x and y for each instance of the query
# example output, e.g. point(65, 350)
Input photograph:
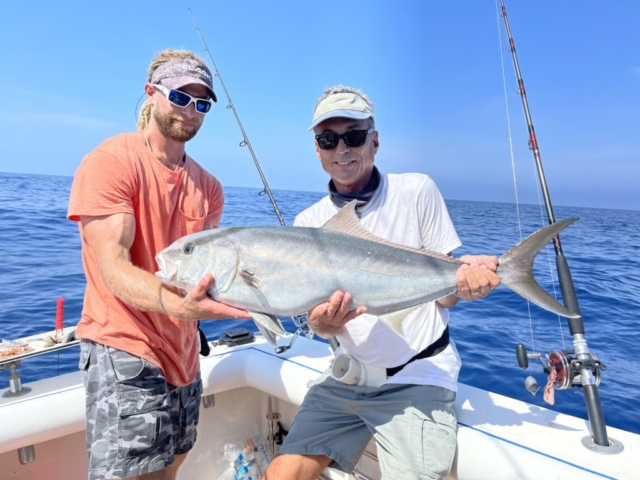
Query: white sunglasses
point(181, 99)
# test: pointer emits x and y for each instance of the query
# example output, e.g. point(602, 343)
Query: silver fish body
point(285, 271)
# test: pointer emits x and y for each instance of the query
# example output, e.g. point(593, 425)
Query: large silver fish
point(285, 271)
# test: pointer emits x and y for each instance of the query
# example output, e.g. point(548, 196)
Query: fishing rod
point(300, 321)
point(577, 368)
point(245, 142)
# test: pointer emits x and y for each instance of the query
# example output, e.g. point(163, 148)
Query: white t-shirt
point(406, 209)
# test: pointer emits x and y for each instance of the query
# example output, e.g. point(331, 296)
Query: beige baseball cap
point(343, 105)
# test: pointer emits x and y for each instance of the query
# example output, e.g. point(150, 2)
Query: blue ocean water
point(41, 261)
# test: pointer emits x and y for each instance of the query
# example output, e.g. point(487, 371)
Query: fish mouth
point(172, 280)
point(169, 274)
point(160, 276)
point(168, 270)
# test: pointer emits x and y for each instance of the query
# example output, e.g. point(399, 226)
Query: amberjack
point(283, 271)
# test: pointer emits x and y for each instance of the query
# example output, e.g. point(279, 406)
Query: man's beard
point(169, 126)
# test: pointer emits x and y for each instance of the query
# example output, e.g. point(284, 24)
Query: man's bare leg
point(297, 467)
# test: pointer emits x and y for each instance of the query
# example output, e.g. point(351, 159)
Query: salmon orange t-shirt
point(122, 176)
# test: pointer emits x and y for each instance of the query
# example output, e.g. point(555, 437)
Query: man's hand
point(477, 277)
point(328, 318)
point(197, 305)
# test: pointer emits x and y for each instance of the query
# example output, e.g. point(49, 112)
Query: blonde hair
point(342, 89)
point(160, 58)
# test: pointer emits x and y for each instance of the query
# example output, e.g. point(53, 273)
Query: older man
point(133, 195)
point(411, 412)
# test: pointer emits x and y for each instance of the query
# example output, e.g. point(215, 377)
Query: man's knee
point(179, 459)
point(168, 473)
point(297, 467)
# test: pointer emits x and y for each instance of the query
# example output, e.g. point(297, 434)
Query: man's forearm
point(139, 288)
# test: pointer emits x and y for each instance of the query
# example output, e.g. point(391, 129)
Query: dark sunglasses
point(183, 100)
point(352, 138)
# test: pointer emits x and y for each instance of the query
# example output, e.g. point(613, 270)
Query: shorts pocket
point(433, 439)
point(144, 422)
point(189, 415)
point(85, 355)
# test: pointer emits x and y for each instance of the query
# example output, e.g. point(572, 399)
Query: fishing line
point(136, 113)
point(513, 161)
point(506, 103)
point(245, 142)
point(515, 185)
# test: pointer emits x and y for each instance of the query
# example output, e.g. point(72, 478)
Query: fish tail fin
point(515, 269)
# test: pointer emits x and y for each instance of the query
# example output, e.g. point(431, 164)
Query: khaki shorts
point(136, 421)
point(414, 426)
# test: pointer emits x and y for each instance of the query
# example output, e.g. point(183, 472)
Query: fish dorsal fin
point(347, 222)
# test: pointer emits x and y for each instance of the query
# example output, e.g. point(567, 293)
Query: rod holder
point(208, 401)
point(15, 383)
point(27, 454)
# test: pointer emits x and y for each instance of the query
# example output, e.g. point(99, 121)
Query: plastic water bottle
point(236, 455)
point(248, 471)
point(228, 474)
point(242, 462)
point(247, 462)
point(261, 454)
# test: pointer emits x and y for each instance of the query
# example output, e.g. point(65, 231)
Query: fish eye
point(189, 248)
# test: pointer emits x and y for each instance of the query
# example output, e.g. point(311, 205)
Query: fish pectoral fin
point(268, 321)
point(395, 320)
point(271, 337)
point(250, 277)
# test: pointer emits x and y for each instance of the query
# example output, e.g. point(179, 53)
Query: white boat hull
point(499, 437)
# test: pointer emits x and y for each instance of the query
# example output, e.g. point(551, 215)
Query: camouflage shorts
point(136, 421)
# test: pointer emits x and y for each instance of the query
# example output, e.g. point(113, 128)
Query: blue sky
point(73, 71)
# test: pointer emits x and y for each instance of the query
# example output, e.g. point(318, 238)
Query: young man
point(134, 195)
point(411, 414)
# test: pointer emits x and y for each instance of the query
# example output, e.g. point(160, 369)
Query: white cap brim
point(340, 114)
point(341, 105)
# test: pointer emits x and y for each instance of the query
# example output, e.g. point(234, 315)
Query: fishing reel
point(562, 366)
point(300, 321)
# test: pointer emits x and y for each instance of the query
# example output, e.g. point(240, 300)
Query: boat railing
point(15, 351)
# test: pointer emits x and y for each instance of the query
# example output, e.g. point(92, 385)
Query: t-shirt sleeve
point(436, 228)
point(300, 220)
point(103, 185)
point(308, 218)
point(316, 215)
